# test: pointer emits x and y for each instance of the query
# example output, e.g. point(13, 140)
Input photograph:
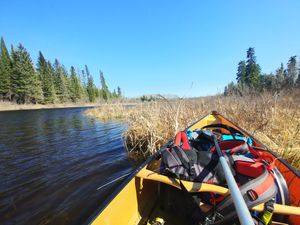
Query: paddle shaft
point(238, 200)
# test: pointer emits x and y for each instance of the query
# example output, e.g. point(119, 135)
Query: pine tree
point(241, 73)
point(45, 73)
point(24, 80)
point(105, 91)
point(5, 72)
point(252, 70)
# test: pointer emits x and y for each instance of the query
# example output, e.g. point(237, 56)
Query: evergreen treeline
point(49, 82)
point(250, 79)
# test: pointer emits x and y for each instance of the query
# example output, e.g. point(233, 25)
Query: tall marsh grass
point(272, 119)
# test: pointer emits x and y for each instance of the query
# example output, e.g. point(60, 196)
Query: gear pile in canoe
point(213, 172)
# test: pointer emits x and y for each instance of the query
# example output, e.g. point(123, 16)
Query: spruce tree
point(45, 73)
point(241, 73)
point(96, 92)
point(268, 82)
point(104, 88)
point(292, 72)
point(5, 72)
point(24, 80)
point(82, 89)
point(75, 86)
point(114, 94)
point(298, 79)
point(60, 82)
point(252, 70)
point(279, 78)
point(36, 89)
point(90, 86)
point(119, 92)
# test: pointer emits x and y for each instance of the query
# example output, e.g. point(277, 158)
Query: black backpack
point(184, 162)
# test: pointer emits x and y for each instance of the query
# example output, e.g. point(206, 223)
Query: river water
point(52, 162)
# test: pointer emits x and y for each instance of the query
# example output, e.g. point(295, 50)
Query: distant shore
point(7, 106)
point(14, 107)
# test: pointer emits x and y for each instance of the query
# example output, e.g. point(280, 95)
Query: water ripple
point(53, 161)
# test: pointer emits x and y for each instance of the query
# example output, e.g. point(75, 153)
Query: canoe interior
point(139, 201)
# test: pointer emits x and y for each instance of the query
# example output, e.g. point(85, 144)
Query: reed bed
point(272, 119)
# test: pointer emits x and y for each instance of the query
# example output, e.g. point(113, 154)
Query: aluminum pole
point(238, 200)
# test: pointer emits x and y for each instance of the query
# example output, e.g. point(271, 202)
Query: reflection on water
point(51, 163)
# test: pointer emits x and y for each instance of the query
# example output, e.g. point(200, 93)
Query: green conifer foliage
point(252, 70)
point(75, 86)
point(292, 72)
point(241, 73)
point(119, 92)
point(279, 78)
point(24, 81)
point(104, 88)
point(96, 92)
point(61, 82)
point(45, 73)
point(49, 83)
point(90, 85)
point(5, 72)
point(114, 94)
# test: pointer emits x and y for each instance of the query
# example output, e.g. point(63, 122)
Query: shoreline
point(6, 107)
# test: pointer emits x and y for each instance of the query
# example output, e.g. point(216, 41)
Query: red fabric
point(185, 142)
point(228, 144)
point(178, 139)
point(181, 139)
point(213, 148)
point(265, 185)
point(248, 168)
point(254, 152)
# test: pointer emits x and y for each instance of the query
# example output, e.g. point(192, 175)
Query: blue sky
point(187, 48)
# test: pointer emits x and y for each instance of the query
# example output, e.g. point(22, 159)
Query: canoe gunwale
point(106, 202)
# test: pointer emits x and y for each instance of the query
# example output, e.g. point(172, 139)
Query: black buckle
point(252, 195)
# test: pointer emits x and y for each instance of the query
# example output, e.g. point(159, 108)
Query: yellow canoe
point(142, 196)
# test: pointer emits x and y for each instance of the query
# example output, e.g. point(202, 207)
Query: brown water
point(53, 161)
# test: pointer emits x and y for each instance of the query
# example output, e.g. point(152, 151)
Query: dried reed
point(272, 119)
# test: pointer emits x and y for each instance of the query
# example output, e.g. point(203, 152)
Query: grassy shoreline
point(17, 107)
point(8, 106)
point(273, 120)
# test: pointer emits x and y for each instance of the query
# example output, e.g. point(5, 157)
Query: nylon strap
point(268, 213)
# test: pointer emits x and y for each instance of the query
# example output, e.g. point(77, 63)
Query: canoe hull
point(137, 198)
